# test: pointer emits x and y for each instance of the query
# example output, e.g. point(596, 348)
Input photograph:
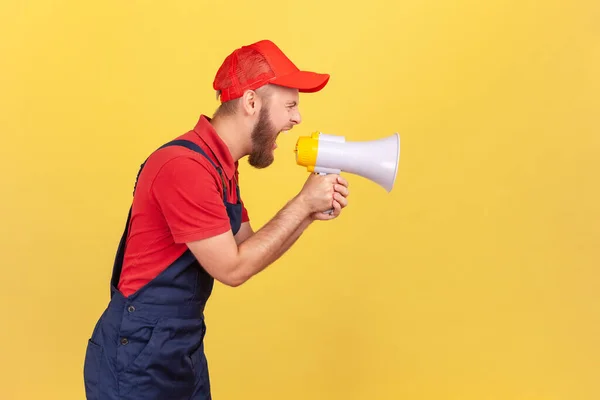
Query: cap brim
point(304, 81)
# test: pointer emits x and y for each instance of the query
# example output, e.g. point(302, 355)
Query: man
point(188, 226)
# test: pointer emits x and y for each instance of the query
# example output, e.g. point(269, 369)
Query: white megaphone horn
point(376, 160)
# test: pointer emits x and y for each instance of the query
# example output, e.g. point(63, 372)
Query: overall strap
point(118, 264)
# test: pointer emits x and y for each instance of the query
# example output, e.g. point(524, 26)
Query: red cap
point(257, 64)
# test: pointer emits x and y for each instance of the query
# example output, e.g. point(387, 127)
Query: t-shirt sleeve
point(190, 197)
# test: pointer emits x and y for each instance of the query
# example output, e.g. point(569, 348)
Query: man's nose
point(296, 118)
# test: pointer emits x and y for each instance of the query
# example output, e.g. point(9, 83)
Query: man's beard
point(263, 138)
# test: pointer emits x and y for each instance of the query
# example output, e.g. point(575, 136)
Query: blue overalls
point(150, 345)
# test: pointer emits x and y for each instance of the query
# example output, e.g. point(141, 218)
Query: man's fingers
point(337, 209)
point(341, 189)
point(342, 181)
point(341, 200)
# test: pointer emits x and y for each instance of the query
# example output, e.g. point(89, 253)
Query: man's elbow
point(235, 278)
point(232, 283)
point(231, 271)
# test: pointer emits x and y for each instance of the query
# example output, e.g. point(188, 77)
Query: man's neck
point(230, 130)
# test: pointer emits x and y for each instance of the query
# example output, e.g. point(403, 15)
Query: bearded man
point(188, 226)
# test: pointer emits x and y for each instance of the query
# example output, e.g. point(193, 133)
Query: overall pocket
point(91, 369)
point(136, 350)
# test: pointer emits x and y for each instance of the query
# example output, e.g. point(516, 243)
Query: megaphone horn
point(376, 160)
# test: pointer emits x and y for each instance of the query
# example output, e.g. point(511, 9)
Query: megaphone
point(376, 160)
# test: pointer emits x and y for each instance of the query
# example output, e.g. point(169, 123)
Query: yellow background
point(475, 278)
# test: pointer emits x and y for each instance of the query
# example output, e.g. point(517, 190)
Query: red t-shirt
point(179, 199)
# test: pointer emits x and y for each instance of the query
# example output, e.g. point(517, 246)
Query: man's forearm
point(292, 239)
point(266, 245)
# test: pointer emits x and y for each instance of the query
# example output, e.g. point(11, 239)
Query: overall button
point(131, 308)
point(124, 341)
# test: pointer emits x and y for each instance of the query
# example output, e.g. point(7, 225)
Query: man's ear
point(250, 102)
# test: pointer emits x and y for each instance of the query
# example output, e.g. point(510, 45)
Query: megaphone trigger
point(376, 160)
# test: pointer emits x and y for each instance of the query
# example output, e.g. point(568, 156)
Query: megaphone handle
point(328, 211)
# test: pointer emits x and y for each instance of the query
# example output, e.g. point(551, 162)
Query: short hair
point(227, 108)
point(230, 107)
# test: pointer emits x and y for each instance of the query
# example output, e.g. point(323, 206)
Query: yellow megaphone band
point(306, 151)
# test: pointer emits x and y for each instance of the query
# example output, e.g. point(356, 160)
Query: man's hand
point(318, 192)
point(340, 201)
